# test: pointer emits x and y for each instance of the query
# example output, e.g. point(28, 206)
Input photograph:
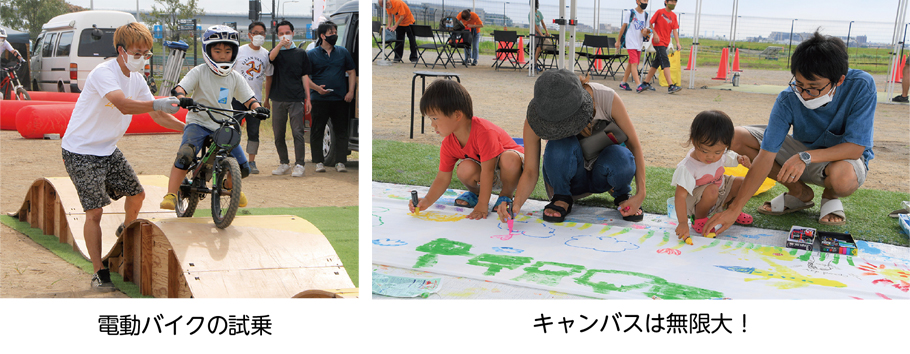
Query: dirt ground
point(661, 120)
point(29, 270)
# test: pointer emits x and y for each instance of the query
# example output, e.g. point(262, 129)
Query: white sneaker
point(298, 171)
point(282, 169)
point(320, 167)
point(340, 167)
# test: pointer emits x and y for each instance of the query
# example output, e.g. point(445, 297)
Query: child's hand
point(682, 230)
point(480, 212)
point(421, 204)
point(744, 160)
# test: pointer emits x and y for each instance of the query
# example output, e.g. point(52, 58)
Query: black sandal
point(563, 212)
point(633, 218)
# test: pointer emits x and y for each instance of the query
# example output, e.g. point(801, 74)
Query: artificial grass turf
point(867, 209)
point(334, 222)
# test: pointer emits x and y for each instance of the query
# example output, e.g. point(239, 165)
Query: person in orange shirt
point(472, 22)
point(400, 21)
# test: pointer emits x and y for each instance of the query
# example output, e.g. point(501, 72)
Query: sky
point(832, 15)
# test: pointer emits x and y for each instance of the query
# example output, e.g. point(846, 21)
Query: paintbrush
point(511, 221)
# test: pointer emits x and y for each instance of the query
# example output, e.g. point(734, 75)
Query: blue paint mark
point(547, 232)
point(756, 236)
point(600, 243)
point(867, 248)
point(388, 242)
point(507, 250)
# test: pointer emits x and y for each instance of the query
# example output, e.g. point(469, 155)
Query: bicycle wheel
point(225, 201)
point(186, 201)
point(22, 94)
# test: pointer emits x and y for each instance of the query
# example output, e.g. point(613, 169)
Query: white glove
point(166, 105)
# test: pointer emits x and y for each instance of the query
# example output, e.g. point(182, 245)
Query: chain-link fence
point(870, 43)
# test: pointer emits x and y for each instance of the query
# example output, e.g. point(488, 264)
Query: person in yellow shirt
point(400, 21)
point(472, 22)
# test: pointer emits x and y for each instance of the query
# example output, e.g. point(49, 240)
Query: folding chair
point(389, 45)
point(457, 44)
point(509, 49)
point(591, 45)
point(439, 48)
point(548, 51)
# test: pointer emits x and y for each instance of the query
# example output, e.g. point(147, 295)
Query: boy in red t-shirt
point(663, 25)
point(492, 159)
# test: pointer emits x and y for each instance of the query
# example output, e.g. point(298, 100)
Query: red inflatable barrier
point(34, 121)
point(53, 96)
point(9, 108)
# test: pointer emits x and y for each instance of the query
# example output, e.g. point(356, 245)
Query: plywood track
point(257, 256)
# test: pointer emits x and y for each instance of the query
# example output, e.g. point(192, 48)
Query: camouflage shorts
point(98, 179)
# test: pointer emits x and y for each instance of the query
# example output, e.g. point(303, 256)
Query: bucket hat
point(561, 107)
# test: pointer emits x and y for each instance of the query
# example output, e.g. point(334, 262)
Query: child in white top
point(701, 186)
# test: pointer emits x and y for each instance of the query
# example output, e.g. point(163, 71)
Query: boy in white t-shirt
point(701, 186)
point(253, 63)
point(114, 91)
point(213, 84)
point(633, 32)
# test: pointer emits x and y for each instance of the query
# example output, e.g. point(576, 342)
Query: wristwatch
point(805, 157)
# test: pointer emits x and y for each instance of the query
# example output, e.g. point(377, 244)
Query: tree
point(30, 14)
point(171, 12)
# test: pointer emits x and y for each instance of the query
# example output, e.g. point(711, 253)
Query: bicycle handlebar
point(197, 107)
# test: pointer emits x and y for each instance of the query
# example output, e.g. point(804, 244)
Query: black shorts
point(661, 60)
point(98, 179)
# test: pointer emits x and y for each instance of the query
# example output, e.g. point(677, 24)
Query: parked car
point(71, 45)
point(347, 19)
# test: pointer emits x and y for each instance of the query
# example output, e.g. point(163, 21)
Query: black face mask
point(643, 6)
point(331, 39)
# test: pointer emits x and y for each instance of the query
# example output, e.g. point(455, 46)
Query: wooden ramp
point(257, 256)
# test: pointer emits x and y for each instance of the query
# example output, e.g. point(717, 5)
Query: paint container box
point(834, 242)
point(801, 238)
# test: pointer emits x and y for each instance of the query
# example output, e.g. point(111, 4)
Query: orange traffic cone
point(689, 64)
point(499, 55)
point(521, 50)
point(736, 61)
point(899, 70)
point(722, 68)
point(599, 64)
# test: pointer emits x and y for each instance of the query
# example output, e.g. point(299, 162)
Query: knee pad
point(245, 170)
point(185, 156)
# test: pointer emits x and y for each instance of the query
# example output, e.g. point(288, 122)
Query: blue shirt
point(329, 70)
point(848, 118)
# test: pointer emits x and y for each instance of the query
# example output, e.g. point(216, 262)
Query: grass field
point(872, 60)
point(334, 222)
point(867, 210)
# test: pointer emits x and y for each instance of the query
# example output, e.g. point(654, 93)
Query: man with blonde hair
point(114, 91)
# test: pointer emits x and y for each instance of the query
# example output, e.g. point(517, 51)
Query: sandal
point(633, 218)
point(898, 213)
point(744, 219)
point(468, 197)
point(563, 212)
point(502, 199)
point(699, 225)
point(829, 207)
point(785, 204)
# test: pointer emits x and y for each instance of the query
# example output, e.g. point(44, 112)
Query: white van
point(71, 45)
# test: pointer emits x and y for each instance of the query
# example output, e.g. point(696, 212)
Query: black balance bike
point(213, 166)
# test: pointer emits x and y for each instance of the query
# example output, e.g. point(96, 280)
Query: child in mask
point(701, 186)
point(253, 63)
point(213, 83)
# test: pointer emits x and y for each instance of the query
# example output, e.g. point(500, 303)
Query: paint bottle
point(671, 208)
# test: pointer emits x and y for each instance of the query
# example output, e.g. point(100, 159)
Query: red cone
point(722, 68)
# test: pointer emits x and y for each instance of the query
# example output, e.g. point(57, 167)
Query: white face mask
point(818, 101)
point(133, 64)
point(258, 40)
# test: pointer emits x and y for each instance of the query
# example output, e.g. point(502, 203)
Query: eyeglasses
point(146, 55)
point(809, 91)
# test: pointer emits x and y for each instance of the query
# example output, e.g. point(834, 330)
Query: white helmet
point(220, 34)
point(2, 33)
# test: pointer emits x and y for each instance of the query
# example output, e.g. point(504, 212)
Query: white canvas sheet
point(615, 260)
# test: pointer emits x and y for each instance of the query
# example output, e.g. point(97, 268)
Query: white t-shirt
point(633, 34)
point(254, 65)
point(209, 89)
point(6, 47)
point(96, 124)
point(691, 173)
